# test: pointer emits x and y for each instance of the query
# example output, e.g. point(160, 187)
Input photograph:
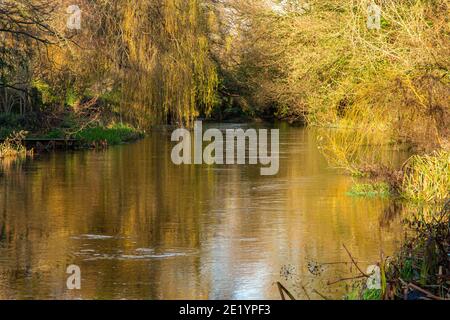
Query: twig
point(283, 290)
point(306, 292)
point(321, 295)
point(345, 279)
point(427, 293)
point(354, 262)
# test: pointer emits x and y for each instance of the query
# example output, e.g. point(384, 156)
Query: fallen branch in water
point(345, 279)
point(283, 290)
point(427, 293)
point(306, 292)
point(354, 262)
point(321, 295)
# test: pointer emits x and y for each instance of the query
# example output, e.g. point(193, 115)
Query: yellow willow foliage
point(169, 76)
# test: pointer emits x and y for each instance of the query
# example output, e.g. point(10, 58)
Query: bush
point(12, 147)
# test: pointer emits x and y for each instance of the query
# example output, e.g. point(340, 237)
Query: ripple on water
point(138, 254)
point(92, 237)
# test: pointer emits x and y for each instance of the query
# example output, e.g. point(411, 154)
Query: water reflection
point(142, 228)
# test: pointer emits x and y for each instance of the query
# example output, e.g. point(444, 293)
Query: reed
point(427, 177)
point(13, 146)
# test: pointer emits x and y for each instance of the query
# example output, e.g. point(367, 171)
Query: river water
point(140, 227)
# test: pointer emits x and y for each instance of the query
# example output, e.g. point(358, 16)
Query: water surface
point(140, 227)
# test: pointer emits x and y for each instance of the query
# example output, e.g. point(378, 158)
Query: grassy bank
point(84, 133)
point(92, 120)
point(421, 179)
point(112, 135)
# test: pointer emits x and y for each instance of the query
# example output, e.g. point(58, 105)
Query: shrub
point(13, 147)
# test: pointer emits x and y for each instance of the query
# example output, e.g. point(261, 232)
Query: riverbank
point(420, 270)
point(20, 143)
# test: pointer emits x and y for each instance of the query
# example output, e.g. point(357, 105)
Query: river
point(140, 227)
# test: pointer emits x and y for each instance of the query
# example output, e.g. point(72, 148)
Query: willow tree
point(162, 59)
point(152, 54)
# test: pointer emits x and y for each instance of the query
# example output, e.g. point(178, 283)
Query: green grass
point(115, 134)
point(360, 292)
point(372, 294)
point(370, 190)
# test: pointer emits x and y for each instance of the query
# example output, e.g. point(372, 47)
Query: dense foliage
point(144, 62)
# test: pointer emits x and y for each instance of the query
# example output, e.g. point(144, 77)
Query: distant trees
point(317, 61)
